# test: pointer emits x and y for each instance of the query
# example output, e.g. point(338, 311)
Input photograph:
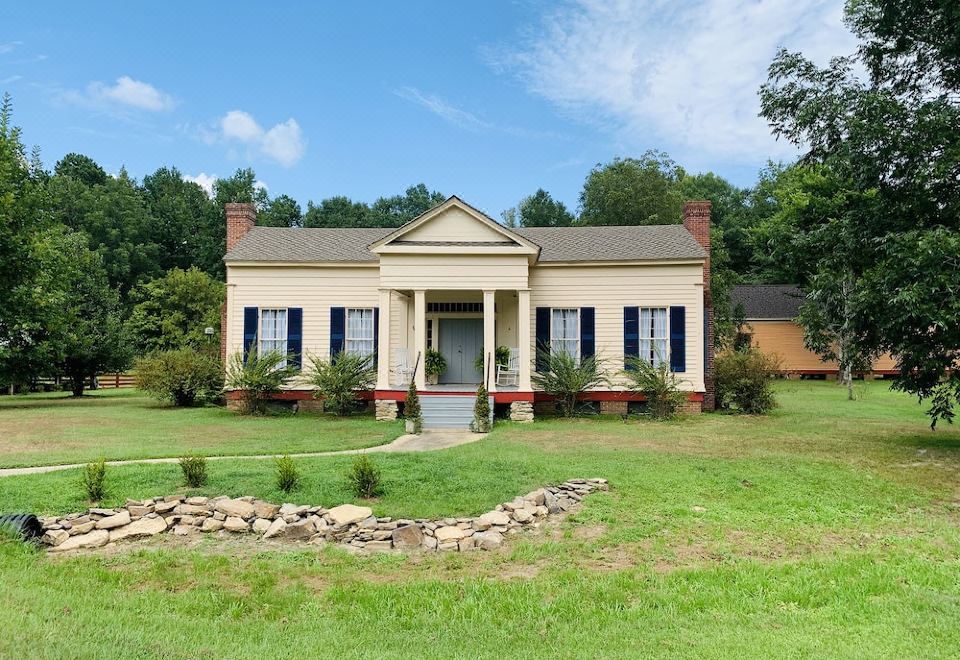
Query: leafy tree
point(542, 210)
point(400, 209)
point(893, 139)
point(337, 212)
point(633, 191)
point(241, 187)
point(81, 168)
point(172, 311)
point(281, 211)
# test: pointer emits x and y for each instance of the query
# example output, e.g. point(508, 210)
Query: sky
point(486, 100)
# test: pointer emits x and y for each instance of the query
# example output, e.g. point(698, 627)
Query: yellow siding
point(609, 289)
point(454, 224)
point(784, 339)
point(453, 271)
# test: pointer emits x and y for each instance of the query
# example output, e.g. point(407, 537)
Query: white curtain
point(273, 331)
point(359, 338)
point(565, 332)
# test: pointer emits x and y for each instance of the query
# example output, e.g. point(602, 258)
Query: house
point(455, 280)
point(770, 312)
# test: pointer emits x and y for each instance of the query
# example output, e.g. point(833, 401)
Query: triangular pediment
point(454, 224)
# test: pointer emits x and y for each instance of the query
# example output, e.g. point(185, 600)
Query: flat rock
point(488, 540)
point(211, 525)
point(449, 533)
point(235, 524)
point(293, 509)
point(260, 525)
point(494, 518)
point(82, 528)
point(191, 510)
point(408, 536)
point(522, 515)
point(197, 500)
point(139, 511)
point(165, 507)
point(101, 512)
point(116, 520)
point(141, 527)
point(185, 530)
point(276, 527)
point(346, 514)
point(265, 510)
point(55, 536)
point(299, 530)
point(94, 539)
point(378, 545)
point(235, 508)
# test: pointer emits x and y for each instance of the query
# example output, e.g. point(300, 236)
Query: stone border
point(347, 524)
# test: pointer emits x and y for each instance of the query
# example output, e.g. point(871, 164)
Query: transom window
point(653, 334)
point(359, 339)
point(565, 331)
point(273, 331)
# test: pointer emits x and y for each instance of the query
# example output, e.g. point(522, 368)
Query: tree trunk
point(77, 384)
point(846, 348)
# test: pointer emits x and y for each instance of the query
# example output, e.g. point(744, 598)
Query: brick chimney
point(241, 217)
point(696, 220)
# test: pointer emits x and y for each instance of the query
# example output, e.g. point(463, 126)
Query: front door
point(461, 343)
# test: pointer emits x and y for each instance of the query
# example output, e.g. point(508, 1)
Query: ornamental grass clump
point(93, 480)
point(364, 478)
point(256, 377)
point(194, 470)
point(288, 475)
point(659, 386)
point(565, 377)
point(338, 380)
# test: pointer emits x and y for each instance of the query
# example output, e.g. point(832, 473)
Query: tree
point(633, 191)
point(542, 210)
point(400, 209)
point(173, 311)
point(894, 140)
point(241, 187)
point(281, 211)
point(81, 168)
point(337, 212)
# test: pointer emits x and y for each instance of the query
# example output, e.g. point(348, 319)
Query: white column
point(489, 340)
point(420, 336)
point(383, 341)
point(523, 338)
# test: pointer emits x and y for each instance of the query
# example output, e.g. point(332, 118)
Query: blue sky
point(486, 100)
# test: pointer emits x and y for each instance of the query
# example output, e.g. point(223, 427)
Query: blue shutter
point(678, 336)
point(338, 317)
point(376, 335)
point(251, 316)
point(543, 338)
point(631, 336)
point(587, 336)
point(295, 336)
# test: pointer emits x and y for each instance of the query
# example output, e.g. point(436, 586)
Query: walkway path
point(429, 440)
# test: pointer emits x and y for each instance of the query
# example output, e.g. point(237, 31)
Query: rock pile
point(348, 524)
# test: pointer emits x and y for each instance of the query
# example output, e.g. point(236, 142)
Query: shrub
point(659, 386)
point(183, 377)
point(194, 470)
point(411, 408)
point(257, 377)
point(364, 477)
point(434, 363)
point(337, 380)
point(481, 412)
point(743, 381)
point(288, 476)
point(501, 357)
point(566, 378)
point(93, 480)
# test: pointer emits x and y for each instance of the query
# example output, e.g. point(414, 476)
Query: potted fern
point(434, 365)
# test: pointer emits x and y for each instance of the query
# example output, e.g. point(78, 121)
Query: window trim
point(347, 338)
point(576, 325)
point(260, 337)
point(665, 358)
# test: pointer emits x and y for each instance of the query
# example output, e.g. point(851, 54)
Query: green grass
point(830, 529)
point(46, 429)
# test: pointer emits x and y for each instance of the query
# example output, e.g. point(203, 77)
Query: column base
point(521, 411)
point(386, 410)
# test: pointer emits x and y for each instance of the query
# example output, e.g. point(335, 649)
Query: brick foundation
point(614, 407)
point(692, 407)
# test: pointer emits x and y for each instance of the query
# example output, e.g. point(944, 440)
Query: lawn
point(828, 528)
point(44, 429)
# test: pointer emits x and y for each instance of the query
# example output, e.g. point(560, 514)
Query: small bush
point(566, 378)
point(659, 386)
point(481, 412)
point(411, 408)
point(288, 476)
point(183, 377)
point(194, 470)
point(93, 480)
point(338, 379)
point(257, 377)
point(743, 381)
point(364, 477)
point(434, 364)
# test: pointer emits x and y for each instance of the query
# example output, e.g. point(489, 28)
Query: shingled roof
point(767, 301)
point(635, 243)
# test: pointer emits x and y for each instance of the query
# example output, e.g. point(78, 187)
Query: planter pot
point(410, 426)
point(433, 379)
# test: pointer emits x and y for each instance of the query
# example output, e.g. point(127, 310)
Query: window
point(429, 333)
point(565, 331)
point(359, 332)
point(273, 331)
point(653, 334)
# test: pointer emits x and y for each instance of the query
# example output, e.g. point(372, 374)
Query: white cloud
point(442, 109)
point(283, 143)
point(685, 73)
point(10, 79)
point(129, 92)
point(9, 47)
point(203, 180)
